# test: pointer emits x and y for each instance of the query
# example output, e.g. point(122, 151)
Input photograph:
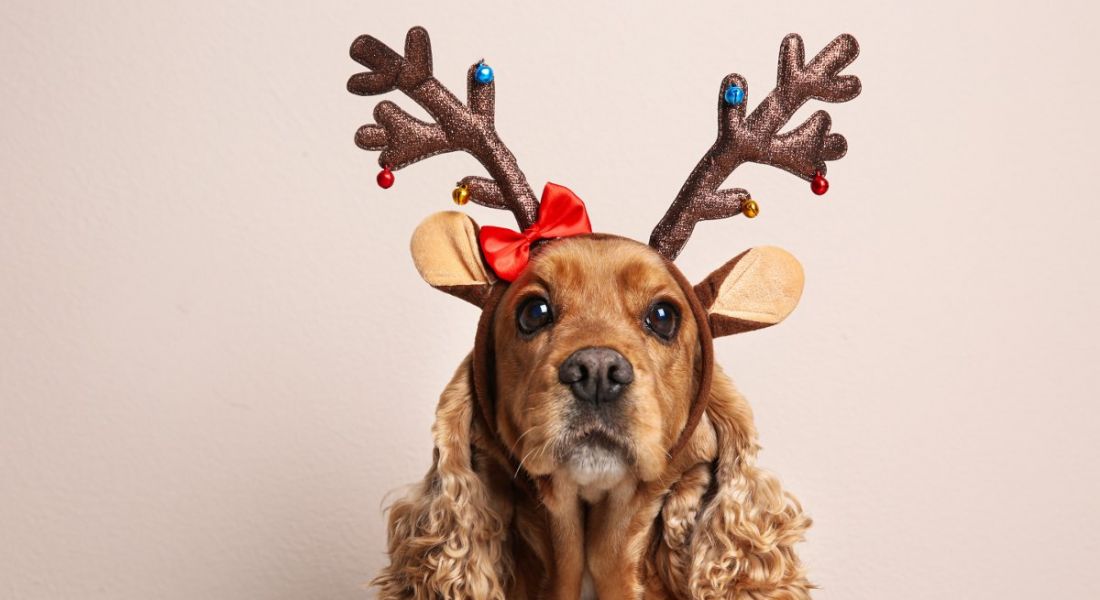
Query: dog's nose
point(596, 375)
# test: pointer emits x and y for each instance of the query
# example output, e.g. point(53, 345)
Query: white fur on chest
point(588, 587)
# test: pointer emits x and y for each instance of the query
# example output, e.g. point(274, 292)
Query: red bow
point(561, 214)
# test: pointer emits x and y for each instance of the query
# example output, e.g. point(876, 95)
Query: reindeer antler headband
point(742, 137)
point(451, 252)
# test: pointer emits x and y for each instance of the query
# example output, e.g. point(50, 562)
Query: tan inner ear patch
point(764, 286)
point(445, 251)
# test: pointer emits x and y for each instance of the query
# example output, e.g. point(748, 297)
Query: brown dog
point(589, 447)
point(593, 391)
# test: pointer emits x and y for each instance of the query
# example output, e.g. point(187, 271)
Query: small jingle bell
point(750, 208)
point(819, 185)
point(734, 95)
point(385, 178)
point(460, 195)
point(483, 74)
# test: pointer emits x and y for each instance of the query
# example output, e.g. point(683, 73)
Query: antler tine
point(404, 139)
point(484, 191)
point(802, 151)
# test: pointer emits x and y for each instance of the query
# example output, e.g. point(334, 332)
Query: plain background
point(216, 358)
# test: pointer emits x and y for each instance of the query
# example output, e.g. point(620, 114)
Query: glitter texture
point(802, 151)
point(404, 139)
point(755, 138)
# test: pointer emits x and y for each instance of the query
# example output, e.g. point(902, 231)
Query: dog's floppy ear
point(757, 288)
point(446, 539)
point(445, 251)
point(745, 535)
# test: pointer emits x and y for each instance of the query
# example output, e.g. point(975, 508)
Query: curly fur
point(445, 540)
point(743, 542)
point(678, 516)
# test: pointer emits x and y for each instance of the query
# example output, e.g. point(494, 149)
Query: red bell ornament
point(385, 178)
point(819, 185)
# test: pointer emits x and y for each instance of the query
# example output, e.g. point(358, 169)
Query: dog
point(588, 446)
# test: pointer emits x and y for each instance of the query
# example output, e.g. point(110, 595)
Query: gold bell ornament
point(461, 195)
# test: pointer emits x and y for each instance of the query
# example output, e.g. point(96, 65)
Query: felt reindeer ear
point(756, 289)
point(445, 250)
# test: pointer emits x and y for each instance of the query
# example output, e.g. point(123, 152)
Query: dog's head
point(598, 349)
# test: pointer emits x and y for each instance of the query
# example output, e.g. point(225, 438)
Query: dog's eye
point(534, 314)
point(662, 319)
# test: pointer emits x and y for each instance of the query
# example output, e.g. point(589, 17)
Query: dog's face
point(597, 351)
point(597, 360)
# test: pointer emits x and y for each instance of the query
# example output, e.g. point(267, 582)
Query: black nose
point(596, 375)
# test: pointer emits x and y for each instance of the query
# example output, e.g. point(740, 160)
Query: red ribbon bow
point(561, 214)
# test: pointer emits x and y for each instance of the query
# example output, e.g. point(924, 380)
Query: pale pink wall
point(216, 357)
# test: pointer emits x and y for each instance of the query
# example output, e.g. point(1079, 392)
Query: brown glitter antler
point(404, 139)
point(755, 138)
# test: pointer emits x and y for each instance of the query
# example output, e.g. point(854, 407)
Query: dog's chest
point(588, 587)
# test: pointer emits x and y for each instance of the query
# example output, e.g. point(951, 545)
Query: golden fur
point(500, 516)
